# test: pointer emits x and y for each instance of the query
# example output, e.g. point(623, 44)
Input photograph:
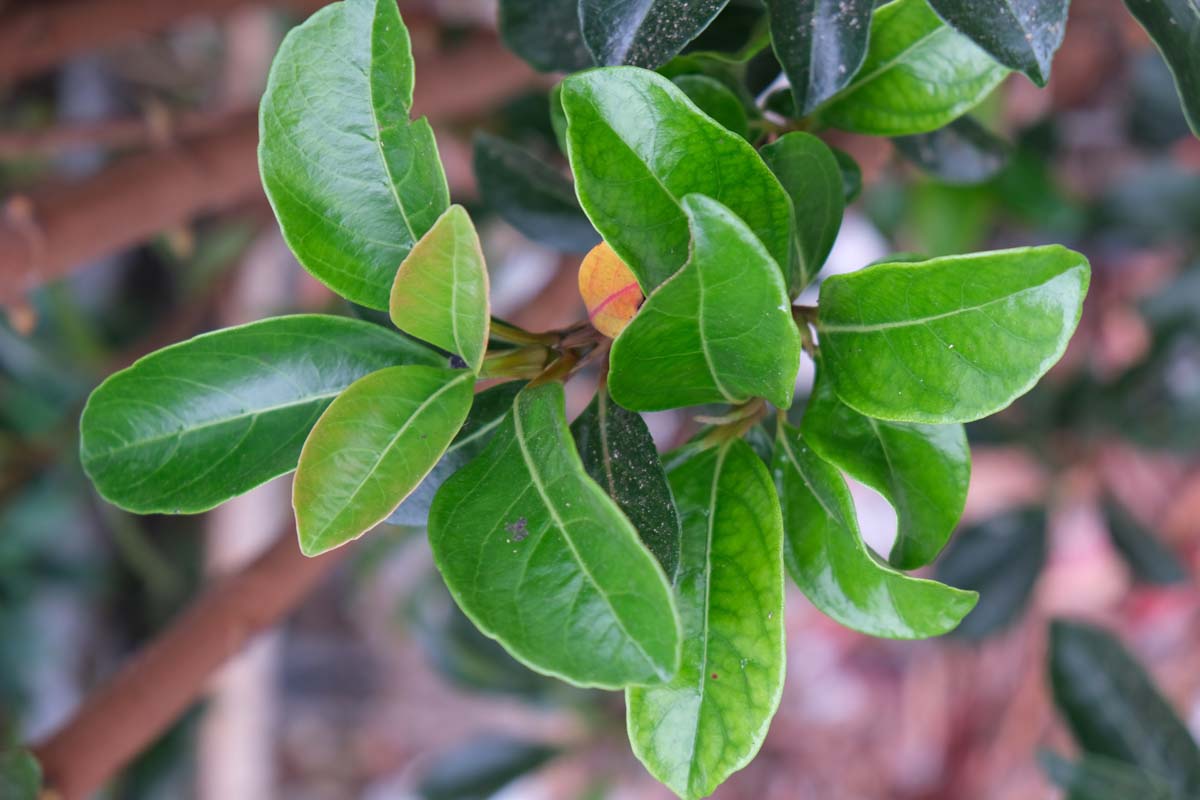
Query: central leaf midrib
point(391, 181)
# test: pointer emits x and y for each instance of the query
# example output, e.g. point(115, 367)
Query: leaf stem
point(505, 332)
point(523, 362)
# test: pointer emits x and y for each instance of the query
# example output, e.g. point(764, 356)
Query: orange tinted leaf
point(609, 289)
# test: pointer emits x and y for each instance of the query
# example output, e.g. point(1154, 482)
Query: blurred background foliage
point(1085, 499)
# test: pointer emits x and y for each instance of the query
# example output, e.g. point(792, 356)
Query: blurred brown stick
point(155, 128)
point(37, 36)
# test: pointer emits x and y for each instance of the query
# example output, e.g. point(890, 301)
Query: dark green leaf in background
point(811, 176)
point(20, 775)
point(922, 470)
point(821, 45)
point(540, 558)
point(707, 723)
point(618, 452)
point(919, 74)
point(479, 768)
point(353, 182)
point(1174, 25)
point(1021, 34)
point(638, 145)
point(488, 410)
point(951, 339)
point(190, 426)
point(1114, 710)
point(531, 196)
point(963, 152)
point(1098, 778)
point(1150, 560)
point(828, 559)
point(715, 99)
point(1001, 558)
point(374, 444)
point(852, 180)
point(545, 33)
point(721, 328)
point(643, 33)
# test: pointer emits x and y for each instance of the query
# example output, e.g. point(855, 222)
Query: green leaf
point(1174, 25)
point(20, 775)
point(488, 410)
point(951, 339)
point(821, 45)
point(190, 426)
point(852, 180)
point(372, 447)
point(721, 328)
point(540, 558)
point(440, 294)
point(812, 177)
point(922, 470)
point(643, 33)
point(531, 196)
point(707, 723)
point(545, 33)
point(481, 767)
point(1097, 778)
point(962, 153)
point(828, 559)
point(1150, 560)
point(717, 101)
point(1020, 34)
point(638, 145)
point(618, 452)
point(1114, 710)
point(353, 182)
point(919, 74)
point(1001, 558)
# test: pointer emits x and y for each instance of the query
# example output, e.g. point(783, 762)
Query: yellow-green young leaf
point(831, 564)
point(371, 447)
point(951, 339)
point(922, 470)
point(440, 293)
point(637, 146)
point(708, 722)
point(543, 561)
point(919, 74)
point(719, 331)
point(353, 182)
point(194, 424)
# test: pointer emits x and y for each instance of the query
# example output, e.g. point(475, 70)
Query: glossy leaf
point(353, 182)
point(479, 768)
point(1114, 710)
point(852, 180)
point(922, 470)
point(1174, 25)
point(1097, 778)
point(962, 153)
point(488, 410)
point(190, 426)
point(373, 445)
point(812, 177)
point(919, 74)
point(20, 775)
point(710, 720)
point(541, 559)
point(821, 45)
point(828, 559)
point(531, 196)
point(717, 101)
point(1002, 559)
point(1151, 560)
point(545, 33)
point(618, 452)
point(951, 339)
point(643, 33)
point(1020, 34)
point(638, 145)
point(721, 327)
point(441, 290)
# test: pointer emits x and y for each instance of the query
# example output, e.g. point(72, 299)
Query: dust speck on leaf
point(518, 530)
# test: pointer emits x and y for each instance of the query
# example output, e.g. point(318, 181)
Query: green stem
point(506, 332)
point(524, 362)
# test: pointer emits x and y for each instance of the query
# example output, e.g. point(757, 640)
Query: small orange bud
point(609, 290)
